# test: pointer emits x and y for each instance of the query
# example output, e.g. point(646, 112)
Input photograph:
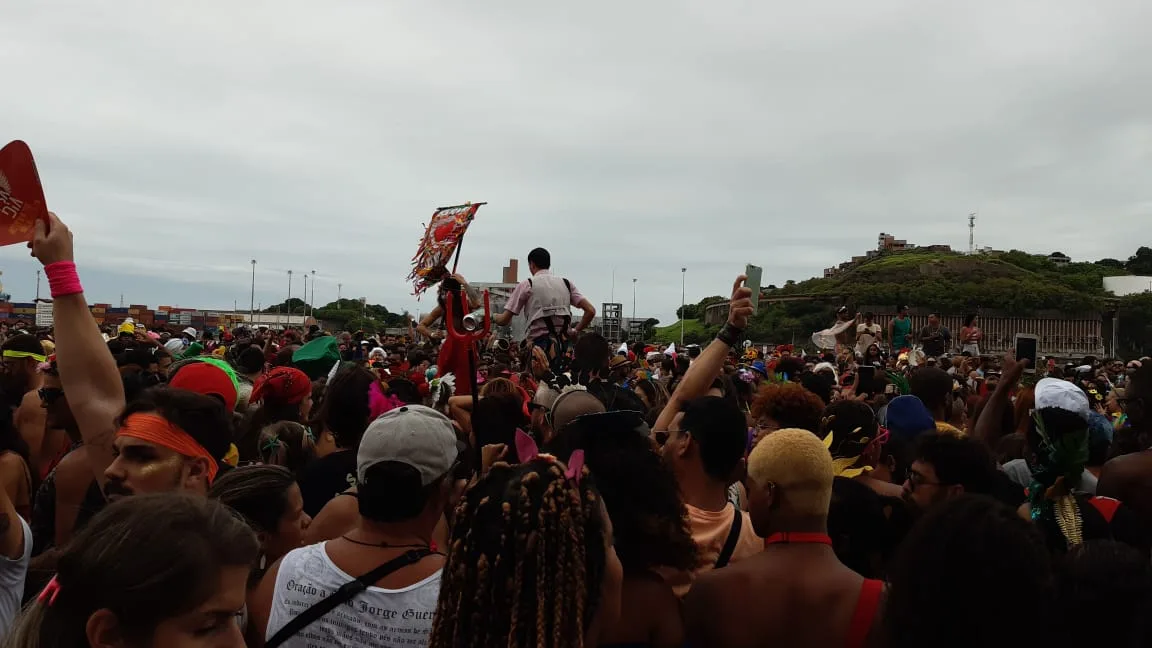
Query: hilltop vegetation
point(1015, 282)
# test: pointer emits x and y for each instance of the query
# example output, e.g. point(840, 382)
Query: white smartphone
point(1026, 348)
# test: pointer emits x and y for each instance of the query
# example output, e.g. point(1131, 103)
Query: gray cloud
point(181, 141)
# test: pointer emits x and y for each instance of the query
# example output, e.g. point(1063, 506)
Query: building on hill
point(1123, 286)
point(888, 242)
point(885, 243)
point(1059, 258)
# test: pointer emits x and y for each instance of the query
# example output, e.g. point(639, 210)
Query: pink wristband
point(62, 279)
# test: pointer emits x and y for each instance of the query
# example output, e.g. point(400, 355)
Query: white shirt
point(865, 336)
point(376, 617)
point(12, 574)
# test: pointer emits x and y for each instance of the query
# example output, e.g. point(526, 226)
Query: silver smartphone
point(1027, 346)
point(754, 274)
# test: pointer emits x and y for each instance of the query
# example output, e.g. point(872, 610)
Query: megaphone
point(474, 320)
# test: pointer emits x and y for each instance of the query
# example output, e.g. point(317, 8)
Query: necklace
point(387, 545)
point(798, 538)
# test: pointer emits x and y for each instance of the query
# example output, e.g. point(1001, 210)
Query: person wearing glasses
point(948, 466)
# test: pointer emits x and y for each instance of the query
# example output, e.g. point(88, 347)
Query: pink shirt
point(519, 300)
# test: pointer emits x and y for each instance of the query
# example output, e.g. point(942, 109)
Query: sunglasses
point(50, 395)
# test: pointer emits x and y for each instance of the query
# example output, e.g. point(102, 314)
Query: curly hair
point(944, 591)
point(526, 563)
point(790, 405)
point(649, 520)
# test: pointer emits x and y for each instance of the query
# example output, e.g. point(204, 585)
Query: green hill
point(695, 332)
point(1015, 283)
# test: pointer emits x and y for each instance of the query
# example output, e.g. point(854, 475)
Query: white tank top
point(375, 617)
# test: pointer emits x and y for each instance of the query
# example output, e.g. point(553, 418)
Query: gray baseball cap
point(415, 435)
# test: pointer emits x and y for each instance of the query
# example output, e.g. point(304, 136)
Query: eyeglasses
point(50, 395)
point(916, 479)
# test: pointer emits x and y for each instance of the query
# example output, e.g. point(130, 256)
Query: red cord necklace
point(786, 537)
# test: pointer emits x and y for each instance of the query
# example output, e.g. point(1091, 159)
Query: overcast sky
point(182, 140)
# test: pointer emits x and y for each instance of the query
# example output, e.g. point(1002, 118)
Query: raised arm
point(88, 371)
point(429, 320)
point(987, 427)
point(698, 379)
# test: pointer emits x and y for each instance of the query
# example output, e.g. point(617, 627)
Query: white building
point(1130, 285)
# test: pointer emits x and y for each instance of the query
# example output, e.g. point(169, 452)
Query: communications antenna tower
point(972, 233)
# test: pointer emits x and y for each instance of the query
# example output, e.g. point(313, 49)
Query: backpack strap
point(865, 614)
point(346, 593)
point(733, 537)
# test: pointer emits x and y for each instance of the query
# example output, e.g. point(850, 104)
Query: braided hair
point(526, 563)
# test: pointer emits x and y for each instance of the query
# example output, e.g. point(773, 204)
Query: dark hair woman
point(649, 522)
point(284, 394)
point(151, 570)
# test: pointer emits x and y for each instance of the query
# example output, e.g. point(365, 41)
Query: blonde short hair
point(797, 462)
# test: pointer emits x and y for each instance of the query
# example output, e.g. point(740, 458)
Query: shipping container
point(138, 306)
point(118, 311)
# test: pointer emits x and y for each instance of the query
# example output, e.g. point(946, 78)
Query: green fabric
point(193, 351)
point(900, 329)
point(317, 357)
point(225, 366)
point(1063, 457)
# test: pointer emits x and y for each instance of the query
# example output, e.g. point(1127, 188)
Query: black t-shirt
point(43, 521)
point(326, 478)
point(935, 347)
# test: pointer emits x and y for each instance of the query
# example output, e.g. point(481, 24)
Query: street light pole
point(630, 324)
point(312, 304)
point(37, 285)
point(683, 283)
point(288, 303)
point(252, 304)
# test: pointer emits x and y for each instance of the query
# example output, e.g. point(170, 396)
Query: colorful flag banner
point(441, 240)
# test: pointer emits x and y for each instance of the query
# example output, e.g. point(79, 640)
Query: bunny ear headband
point(527, 450)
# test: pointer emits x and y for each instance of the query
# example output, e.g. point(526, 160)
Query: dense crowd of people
point(448, 489)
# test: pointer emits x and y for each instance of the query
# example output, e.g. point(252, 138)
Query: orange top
point(154, 428)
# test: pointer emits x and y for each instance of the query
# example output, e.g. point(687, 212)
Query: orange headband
point(159, 430)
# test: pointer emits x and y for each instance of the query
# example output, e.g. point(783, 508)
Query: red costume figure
point(458, 352)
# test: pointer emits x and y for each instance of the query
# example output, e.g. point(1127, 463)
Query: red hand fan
point(21, 196)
